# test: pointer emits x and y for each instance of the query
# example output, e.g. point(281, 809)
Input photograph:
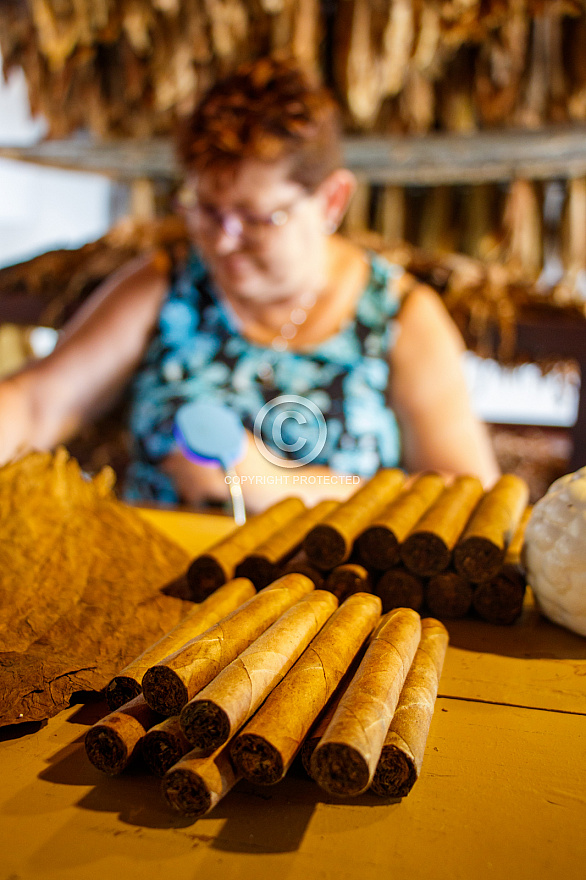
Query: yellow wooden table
point(502, 793)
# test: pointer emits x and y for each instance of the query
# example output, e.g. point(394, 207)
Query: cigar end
point(204, 576)
point(122, 689)
point(400, 589)
point(478, 559)
point(106, 750)
point(205, 724)
point(448, 595)
point(425, 553)
point(259, 570)
point(257, 759)
point(325, 547)
point(186, 792)
point(500, 601)
point(164, 691)
point(161, 750)
point(340, 769)
point(378, 548)
point(395, 774)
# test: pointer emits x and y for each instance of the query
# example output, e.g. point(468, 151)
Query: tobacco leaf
point(81, 586)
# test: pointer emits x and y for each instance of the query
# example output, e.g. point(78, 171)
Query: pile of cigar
point(442, 548)
point(282, 672)
point(270, 669)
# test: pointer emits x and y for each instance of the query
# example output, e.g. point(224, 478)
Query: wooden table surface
point(502, 792)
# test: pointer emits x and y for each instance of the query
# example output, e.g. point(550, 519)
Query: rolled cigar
point(265, 562)
point(344, 761)
point(319, 728)
point(347, 579)
point(163, 745)
point(217, 565)
point(172, 682)
point(399, 588)
point(113, 742)
point(500, 600)
point(128, 683)
point(378, 545)
point(427, 549)
point(402, 754)
point(480, 551)
point(300, 564)
point(221, 708)
point(322, 721)
point(195, 784)
point(448, 594)
point(330, 542)
point(265, 749)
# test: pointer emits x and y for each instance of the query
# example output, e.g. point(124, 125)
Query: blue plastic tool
point(212, 435)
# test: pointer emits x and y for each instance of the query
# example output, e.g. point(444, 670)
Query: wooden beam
point(430, 160)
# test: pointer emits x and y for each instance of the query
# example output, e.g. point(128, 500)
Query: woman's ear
point(337, 190)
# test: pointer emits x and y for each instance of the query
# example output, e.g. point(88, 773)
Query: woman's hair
point(269, 109)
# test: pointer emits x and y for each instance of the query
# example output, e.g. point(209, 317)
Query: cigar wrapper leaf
point(330, 543)
point(114, 741)
point(211, 569)
point(345, 759)
point(402, 754)
point(128, 683)
point(224, 705)
point(264, 750)
point(172, 682)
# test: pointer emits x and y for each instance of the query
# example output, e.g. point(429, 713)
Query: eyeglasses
point(236, 224)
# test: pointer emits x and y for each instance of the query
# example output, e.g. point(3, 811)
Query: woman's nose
point(225, 242)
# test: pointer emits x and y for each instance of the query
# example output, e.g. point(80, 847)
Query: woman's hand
point(262, 481)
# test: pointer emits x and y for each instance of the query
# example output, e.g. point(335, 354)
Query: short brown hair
point(270, 109)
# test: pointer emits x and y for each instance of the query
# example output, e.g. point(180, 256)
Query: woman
point(271, 301)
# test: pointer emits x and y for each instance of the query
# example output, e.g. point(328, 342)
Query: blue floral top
point(198, 353)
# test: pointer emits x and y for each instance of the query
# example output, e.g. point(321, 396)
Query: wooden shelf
point(430, 160)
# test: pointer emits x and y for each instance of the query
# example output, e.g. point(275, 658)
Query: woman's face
point(261, 234)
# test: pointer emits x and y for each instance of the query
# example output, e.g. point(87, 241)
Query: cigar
point(322, 721)
point(427, 549)
point(448, 594)
point(378, 545)
point(399, 588)
point(401, 758)
point(480, 551)
point(265, 563)
point(300, 564)
point(344, 761)
point(221, 708)
point(217, 565)
point(330, 543)
point(265, 749)
point(195, 784)
point(347, 579)
point(128, 683)
point(500, 601)
point(114, 741)
point(172, 682)
point(163, 745)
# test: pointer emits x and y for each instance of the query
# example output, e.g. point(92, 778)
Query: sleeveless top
point(198, 353)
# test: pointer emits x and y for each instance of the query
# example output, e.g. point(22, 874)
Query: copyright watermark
point(295, 426)
point(296, 480)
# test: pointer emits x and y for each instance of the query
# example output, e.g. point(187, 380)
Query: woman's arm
point(429, 393)
point(47, 402)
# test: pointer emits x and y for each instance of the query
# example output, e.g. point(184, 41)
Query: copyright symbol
point(292, 425)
